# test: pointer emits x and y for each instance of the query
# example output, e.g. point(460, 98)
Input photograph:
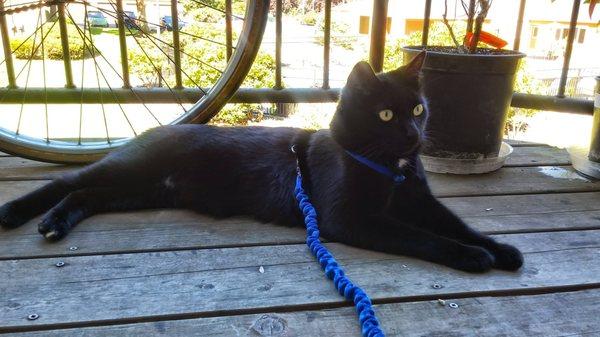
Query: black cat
point(352, 172)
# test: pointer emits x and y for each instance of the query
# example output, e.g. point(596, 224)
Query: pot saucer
point(467, 166)
point(581, 162)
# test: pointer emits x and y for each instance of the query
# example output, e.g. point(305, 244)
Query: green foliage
point(517, 117)
point(309, 18)
point(303, 6)
point(147, 62)
point(338, 35)
point(438, 36)
point(207, 8)
point(204, 14)
point(52, 45)
point(200, 60)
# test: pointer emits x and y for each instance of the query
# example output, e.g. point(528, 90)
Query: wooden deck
point(175, 273)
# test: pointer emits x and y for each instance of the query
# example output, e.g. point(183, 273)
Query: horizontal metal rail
point(12, 95)
point(245, 95)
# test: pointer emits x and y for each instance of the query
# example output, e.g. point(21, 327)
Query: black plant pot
point(468, 96)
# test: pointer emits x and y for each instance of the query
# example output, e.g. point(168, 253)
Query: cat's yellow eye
point(418, 110)
point(386, 115)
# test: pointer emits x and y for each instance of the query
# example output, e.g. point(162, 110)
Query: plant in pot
point(468, 89)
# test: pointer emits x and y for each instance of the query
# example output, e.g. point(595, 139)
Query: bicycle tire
point(208, 106)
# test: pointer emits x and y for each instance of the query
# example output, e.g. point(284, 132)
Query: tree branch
point(450, 29)
point(484, 7)
point(470, 15)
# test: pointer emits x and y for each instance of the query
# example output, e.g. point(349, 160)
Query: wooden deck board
point(179, 229)
point(546, 315)
point(15, 168)
point(133, 286)
point(523, 143)
point(161, 265)
point(512, 180)
point(538, 156)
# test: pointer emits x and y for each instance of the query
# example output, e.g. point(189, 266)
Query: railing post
point(176, 47)
point(378, 31)
point(426, 16)
point(10, 70)
point(278, 41)
point(326, 43)
point(517, 43)
point(123, 44)
point(64, 40)
point(569, 49)
point(228, 29)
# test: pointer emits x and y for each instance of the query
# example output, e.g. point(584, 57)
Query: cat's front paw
point(54, 227)
point(474, 260)
point(10, 217)
point(507, 257)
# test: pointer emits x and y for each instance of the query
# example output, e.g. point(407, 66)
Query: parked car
point(97, 19)
point(166, 22)
point(129, 19)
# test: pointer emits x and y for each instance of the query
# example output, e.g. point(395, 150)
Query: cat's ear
point(362, 77)
point(413, 68)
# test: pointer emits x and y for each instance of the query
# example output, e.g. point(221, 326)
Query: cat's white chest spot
point(168, 182)
point(402, 162)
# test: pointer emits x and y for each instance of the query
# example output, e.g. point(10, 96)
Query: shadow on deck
point(175, 273)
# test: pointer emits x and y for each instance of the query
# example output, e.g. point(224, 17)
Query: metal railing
point(277, 94)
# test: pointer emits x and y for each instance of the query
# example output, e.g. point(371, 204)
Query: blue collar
point(396, 177)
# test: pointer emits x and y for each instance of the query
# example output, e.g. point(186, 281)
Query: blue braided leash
point(366, 315)
point(398, 178)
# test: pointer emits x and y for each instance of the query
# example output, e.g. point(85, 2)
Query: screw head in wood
point(33, 317)
point(72, 248)
point(59, 264)
point(453, 305)
point(437, 286)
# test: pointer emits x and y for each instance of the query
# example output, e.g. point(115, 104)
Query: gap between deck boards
point(19, 169)
point(380, 306)
point(55, 292)
point(163, 230)
point(537, 315)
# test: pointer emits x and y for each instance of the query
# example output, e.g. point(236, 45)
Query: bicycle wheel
point(95, 88)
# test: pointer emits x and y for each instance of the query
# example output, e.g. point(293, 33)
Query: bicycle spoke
point(155, 67)
point(162, 51)
point(186, 54)
point(149, 59)
point(28, 37)
point(169, 58)
point(82, 77)
point(98, 68)
point(86, 23)
point(20, 5)
point(45, 87)
point(152, 37)
point(29, 63)
point(105, 11)
point(214, 8)
point(115, 71)
point(34, 50)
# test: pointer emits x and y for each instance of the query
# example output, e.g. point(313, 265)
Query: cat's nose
point(413, 135)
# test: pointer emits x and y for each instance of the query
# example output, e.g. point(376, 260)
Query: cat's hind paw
point(54, 228)
point(507, 257)
point(10, 217)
